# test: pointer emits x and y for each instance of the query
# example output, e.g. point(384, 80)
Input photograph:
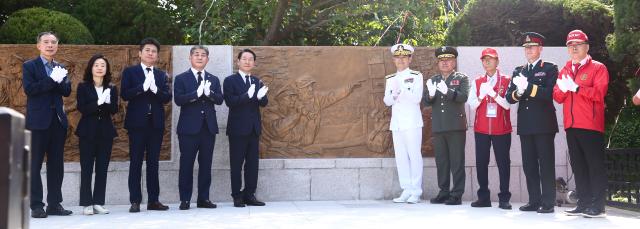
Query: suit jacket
point(447, 112)
point(143, 102)
point(536, 113)
point(95, 117)
point(244, 112)
point(193, 109)
point(44, 96)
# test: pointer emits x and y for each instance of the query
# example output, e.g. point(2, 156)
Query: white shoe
point(403, 198)
point(100, 210)
point(414, 199)
point(88, 210)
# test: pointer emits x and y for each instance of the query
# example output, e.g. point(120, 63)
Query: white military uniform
point(406, 126)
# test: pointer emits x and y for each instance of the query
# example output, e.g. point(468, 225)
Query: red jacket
point(584, 109)
point(501, 124)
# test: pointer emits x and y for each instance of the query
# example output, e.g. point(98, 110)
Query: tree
point(23, 27)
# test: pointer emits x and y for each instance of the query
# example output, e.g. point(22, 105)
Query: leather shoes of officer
point(38, 213)
point(58, 210)
point(504, 205)
point(184, 205)
point(402, 198)
point(99, 209)
point(439, 199)
point(529, 207)
point(594, 213)
point(238, 202)
point(577, 211)
point(413, 199)
point(453, 200)
point(206, 204)
point(544, 209)
point(157, 206)
point(481, 204)
point(252, 201)
point(88, 210)
point(135, 207)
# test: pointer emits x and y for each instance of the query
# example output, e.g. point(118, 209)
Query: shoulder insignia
point(415, 72)
point(390, 76)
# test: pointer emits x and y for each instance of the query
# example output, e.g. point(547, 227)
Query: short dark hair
point(196, 47)
point(88, 75)
point(41, 34)
point(149, 41)
point(249, 51)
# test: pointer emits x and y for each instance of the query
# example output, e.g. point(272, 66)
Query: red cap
point(489, 52)
point(577, 35)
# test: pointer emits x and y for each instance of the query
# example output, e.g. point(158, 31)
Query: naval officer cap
point(532, 39)
point(446, 52)
point(401, 50)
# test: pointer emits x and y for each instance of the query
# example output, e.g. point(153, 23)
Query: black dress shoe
point(206, 204)
point(439, 199)
point(504, 205)
point(38, 213)
point(58, 210)
point(135, 207)
point(544, 209)
point(481, 204)
point(529, 207)
point(252, 201)
point(453, 200)
point(594, 213)
point(185, 205)
point(577, 211)
point(238, 202)
point(157, 206)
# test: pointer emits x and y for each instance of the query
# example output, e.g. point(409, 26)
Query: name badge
point(492, 110)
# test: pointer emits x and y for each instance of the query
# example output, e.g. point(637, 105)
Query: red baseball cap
point(489, 52)
point(577, 35)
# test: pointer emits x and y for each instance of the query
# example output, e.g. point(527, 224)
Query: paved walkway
point(337, 214)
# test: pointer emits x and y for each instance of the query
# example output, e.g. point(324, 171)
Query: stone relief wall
point(75, 58)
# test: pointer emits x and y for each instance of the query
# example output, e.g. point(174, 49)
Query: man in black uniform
point(532, 86)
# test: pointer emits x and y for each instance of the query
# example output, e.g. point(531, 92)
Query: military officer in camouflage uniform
point(447, 93)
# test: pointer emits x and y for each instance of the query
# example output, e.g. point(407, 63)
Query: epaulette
point(415, 72)
point(390, 76)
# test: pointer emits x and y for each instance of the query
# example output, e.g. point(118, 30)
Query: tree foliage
point(23, 27)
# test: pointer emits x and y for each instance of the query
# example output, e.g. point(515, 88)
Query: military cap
point(446, 52)
point(401, 50)
point(532, 39)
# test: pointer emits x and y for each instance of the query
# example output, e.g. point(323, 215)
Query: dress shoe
point(88, 210)
point(157, 206)
point(504, 205)
point(38, 213)
point(252, 201)
point(577, 211)
point(594, 213)
point(58, 210)
point(529, 207)
point(238, 202)
point(135, 207)
point(402, 198)
point(481, 204)
point(99, 209)
point(414, 199)
point(206, 204)
point(185, 205)
point(544, 209)
point(439, 199)
point(453, 200)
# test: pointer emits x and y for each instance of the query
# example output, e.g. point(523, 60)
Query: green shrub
point(23, 26)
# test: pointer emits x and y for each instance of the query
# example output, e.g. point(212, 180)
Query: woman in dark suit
point(97, 100)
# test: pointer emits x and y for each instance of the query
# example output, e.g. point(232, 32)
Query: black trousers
point(143, 140)
point(200, 145)
point(243, 150)
point(501, 146)
point(94, 151)
point(586, 150)
point(48, 142)
point(538, 163)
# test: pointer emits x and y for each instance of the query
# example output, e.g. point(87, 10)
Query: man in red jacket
point(636, 98)
point(492, 126)
point(581, 88)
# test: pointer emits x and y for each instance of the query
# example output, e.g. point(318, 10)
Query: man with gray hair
point(196, 92)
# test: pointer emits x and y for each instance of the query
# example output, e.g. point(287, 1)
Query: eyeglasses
point(575, 45)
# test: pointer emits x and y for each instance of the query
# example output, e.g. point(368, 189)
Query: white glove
point(562, 83)
point(571, 85)
point(207, 88)
point(638, 94)
point(262, 92)
point(483, 90)
point(395, 88)
point(106, 95)
point(58, 73)
point(153, 86)
point(489, 90)
point(431, 87)
point(100, 98)
point(442, 87)
point(147, 83)
point(251, 90)
point(521, 82)
point(200, 89)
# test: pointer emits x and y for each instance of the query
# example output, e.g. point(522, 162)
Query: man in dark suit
point(146, 89)
point(532, 87)
point(196, 91)
point(244, 95)
point(45, 82)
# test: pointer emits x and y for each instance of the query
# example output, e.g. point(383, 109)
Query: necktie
point(199, 78)
point(530, 67)
point(575, 68)
point(246, 80)
point(148, 70)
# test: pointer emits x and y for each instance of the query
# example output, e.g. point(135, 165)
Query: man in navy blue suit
point(146, 89)
point(45, 82)
point(244, 94)
point(196, 91)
